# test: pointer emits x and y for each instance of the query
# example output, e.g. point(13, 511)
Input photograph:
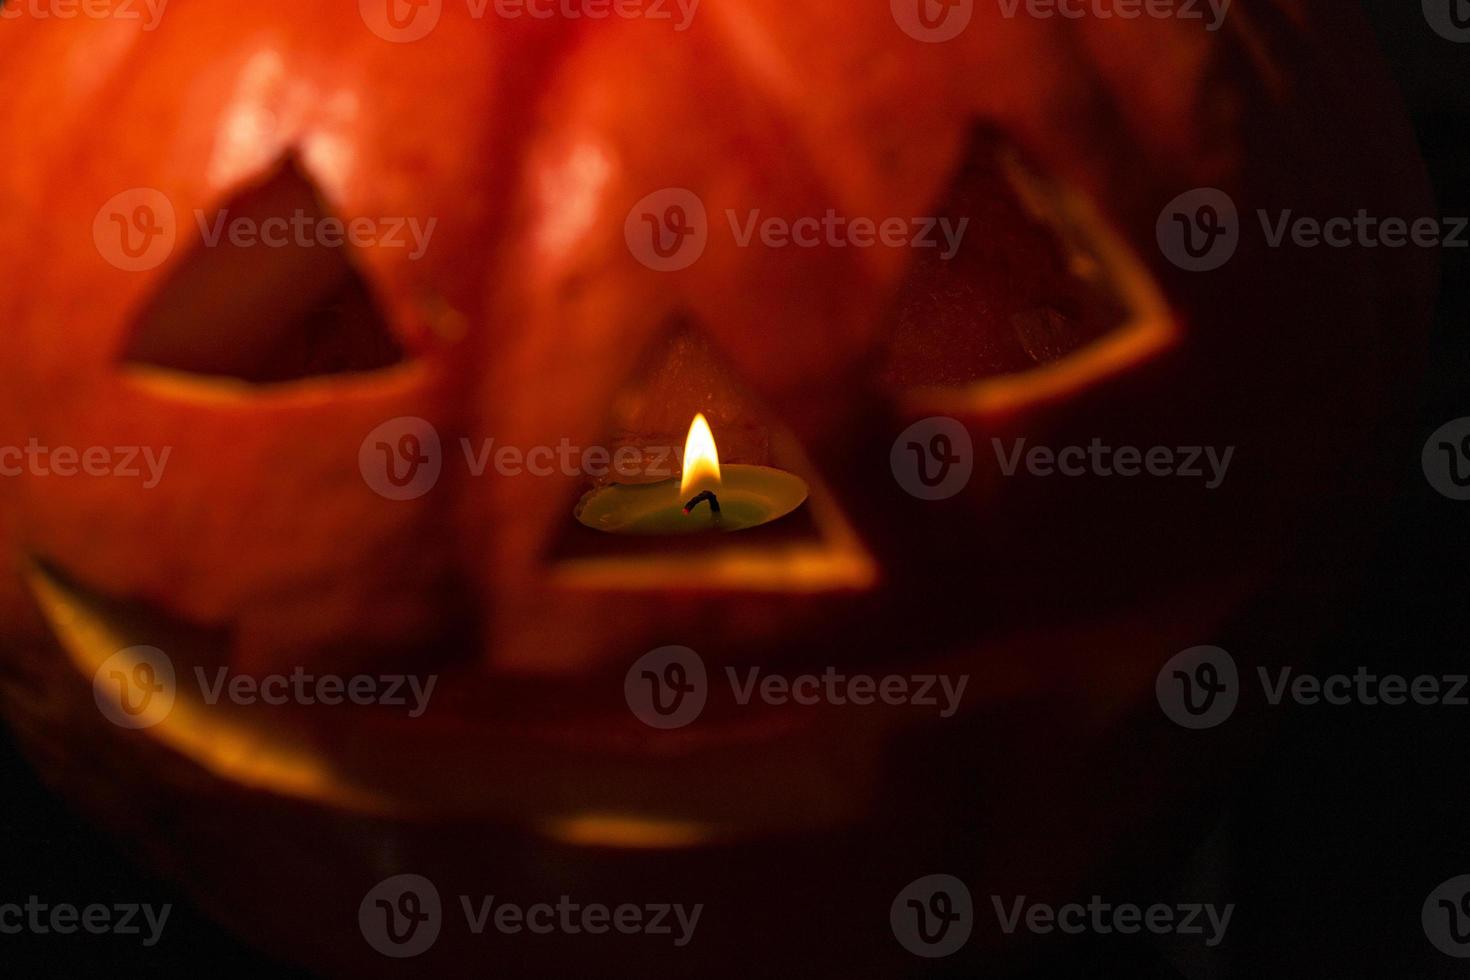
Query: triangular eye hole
point(241, 309)
point(1031, 295)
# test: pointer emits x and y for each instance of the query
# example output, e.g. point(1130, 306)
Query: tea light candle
point(706, 498)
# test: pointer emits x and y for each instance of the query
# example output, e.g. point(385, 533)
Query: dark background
point(1330, 849)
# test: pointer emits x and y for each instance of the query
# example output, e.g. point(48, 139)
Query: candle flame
point(701, 459)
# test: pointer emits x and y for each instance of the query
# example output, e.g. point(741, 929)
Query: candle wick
point(707, 495)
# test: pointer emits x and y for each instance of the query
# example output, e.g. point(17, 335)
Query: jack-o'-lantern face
point(509, 209)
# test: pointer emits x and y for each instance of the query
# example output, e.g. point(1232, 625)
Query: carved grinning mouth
point(492, 765)
point(93, 629)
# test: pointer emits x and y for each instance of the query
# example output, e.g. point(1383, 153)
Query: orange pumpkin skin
point(530, 142)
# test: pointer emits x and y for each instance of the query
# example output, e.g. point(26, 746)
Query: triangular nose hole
point(239, 306)
point(681, 374)
point(813, 549)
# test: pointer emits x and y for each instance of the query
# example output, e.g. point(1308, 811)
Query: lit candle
point(706, 498)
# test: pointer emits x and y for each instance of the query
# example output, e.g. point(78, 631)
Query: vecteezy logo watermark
point(669, 687)
point(401, 21)
point(37, 460)
point(403, 917)
point(1104, 918)
point(571, 918)
point(669, 230)
point(932, 21)
point(933, 916)
point(591, 10)
point(300, 687)
point(64, 919)
point(933, 459)
point(402, 459)
point(148, 12)
point(1364, 687)
point(1199, 687)
point(136, 688)
point(941, 691)
point(1097, 459)
point(137, 230)
point(832, 230)
point(1449, 18)
point(1200, 10)
point(1199, 230)
point(304, 230)
point(405, 21)
point(1446, 917)
point(1363, 230)
point(1446, 459)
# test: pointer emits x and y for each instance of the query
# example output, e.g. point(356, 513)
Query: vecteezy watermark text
point(305, 230)
point(933, 916)
point(937, 21)
point(669, 230)
point(300, 687)
point(572, 918)
point(934, 459)
point(1104, 918)
point(832, 230)
point(591, 10)
point(1212, 11)
point(137, 688)
point(1201, 229)
point(1097, 459)
point(148, 12)
point(669, 687)
point(63, 919)
point(127, 462)
point(138, 229)
point(834, 687)
point(402, 916)
point(406, 21)
point(1201, 687)
point(403, 459)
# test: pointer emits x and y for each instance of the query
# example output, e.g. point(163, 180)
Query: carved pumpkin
point(529, 319)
